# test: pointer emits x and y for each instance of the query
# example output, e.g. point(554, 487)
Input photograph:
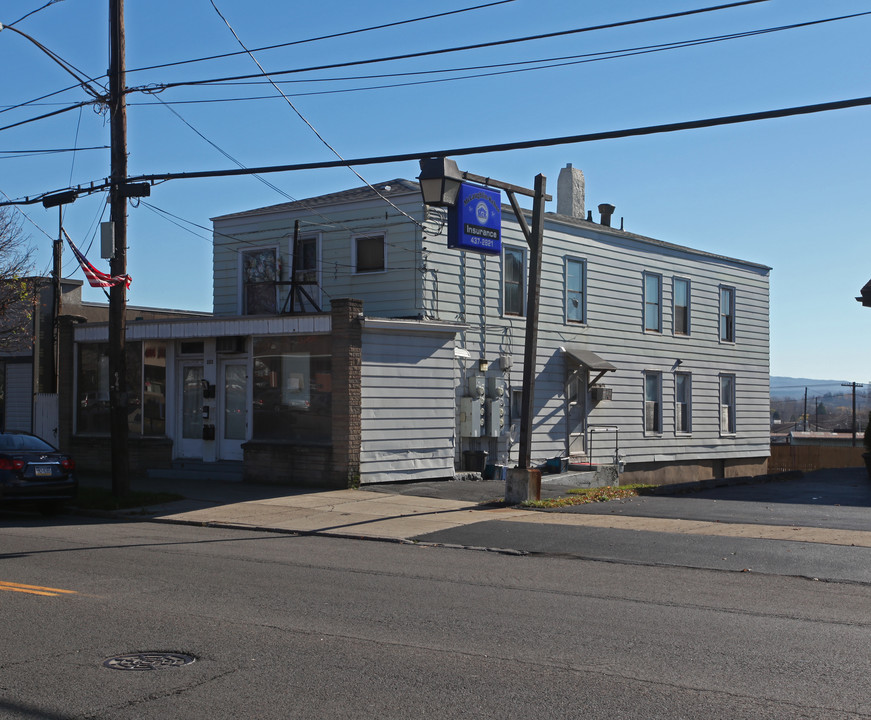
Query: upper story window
point(576, 306)
point(652, 302)
point(512, 279)
point(259, 273)
point(683, 406)
point(653, 403)
point(727, 314)
point(307, 272)
point(727, 404)
point(370, 254)
point(681, 306)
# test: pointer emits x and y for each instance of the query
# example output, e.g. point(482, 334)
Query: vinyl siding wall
point(407, 405)
point(614, 330)
point(391, 293)
point(424, 278)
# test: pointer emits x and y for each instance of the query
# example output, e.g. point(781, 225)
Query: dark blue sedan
point(31, 470)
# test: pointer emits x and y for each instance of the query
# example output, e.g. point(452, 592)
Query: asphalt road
point(312, 627)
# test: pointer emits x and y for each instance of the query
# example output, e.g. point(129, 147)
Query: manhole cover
point(149, 661)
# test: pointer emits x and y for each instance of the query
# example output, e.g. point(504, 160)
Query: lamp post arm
point(521, 218)
point(507, 187)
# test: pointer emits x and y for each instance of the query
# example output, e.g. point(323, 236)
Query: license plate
point(42, 470)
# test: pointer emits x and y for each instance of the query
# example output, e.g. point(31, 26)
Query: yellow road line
point(34, 589)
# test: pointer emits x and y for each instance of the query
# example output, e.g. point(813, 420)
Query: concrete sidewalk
point(404, 512)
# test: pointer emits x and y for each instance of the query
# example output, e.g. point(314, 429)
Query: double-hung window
point(370, 254)
point(681, 292)
point(653, 403)
point(512, 281)
point(727, 314)
point(575, 291)
point(652, 302)
point(259, 274)
point(683, 403)
point(727, 404)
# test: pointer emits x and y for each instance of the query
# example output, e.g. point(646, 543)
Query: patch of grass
point(584, 496)
point(92, 498)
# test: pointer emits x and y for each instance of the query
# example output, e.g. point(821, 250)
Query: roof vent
point(606, 211)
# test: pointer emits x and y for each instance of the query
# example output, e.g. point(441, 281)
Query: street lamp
point(440, 180)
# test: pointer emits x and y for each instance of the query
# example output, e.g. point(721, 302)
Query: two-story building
point(350, 344)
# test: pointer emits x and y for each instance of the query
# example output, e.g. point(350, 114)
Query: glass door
point(232, 428)
point(190, 425)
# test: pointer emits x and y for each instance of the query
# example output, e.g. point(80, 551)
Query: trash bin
point(474, 460)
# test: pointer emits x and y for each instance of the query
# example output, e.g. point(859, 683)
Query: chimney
point(606, 211)
point(570, 192)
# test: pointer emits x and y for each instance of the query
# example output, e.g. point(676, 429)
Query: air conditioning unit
point(599, 393)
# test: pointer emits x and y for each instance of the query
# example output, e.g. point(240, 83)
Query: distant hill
point(788, 387)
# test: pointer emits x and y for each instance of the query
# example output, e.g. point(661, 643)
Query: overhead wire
point(552, 62)
point(308, 123)
point(474, 46)
point(33, 12)
point(331, 36)
point(12, 154)
point(481, 149)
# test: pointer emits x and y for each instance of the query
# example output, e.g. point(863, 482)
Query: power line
point(475, 46)
point(51, 151)
point(551, 63)
point(80, 77)
point(480, 149)
point(306, 121)
point(322, 37)
point(586, 57)
point(47, 115)
point(33, 12)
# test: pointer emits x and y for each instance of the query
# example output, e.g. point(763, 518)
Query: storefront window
point(154, 389)
point(292, 389)
point(93, 389)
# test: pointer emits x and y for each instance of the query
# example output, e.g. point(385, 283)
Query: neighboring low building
point(350, 344)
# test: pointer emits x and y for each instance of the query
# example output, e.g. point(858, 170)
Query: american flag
point(95, 277)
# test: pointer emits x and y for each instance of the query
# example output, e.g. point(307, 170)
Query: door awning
point(591, 361)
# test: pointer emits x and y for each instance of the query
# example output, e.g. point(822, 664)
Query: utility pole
point(805, 409)
point(533, 292)
point(853, 385)
point(118, 215)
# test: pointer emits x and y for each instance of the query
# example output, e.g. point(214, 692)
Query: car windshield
point(23, 442)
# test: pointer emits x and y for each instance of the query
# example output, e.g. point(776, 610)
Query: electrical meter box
point(471, 417)
point(494, 415)
point(495, 387)
point(476, 386)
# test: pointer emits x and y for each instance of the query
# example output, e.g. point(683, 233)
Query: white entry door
point(190, 409)
point(232, 428)
point(576, 412)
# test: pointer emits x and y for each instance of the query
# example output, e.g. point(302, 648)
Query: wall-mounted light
point(482, 364)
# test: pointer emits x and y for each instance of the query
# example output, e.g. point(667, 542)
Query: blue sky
point(789, 193)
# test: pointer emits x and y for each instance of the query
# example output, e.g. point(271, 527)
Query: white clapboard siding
point(425, 279)
point(407, 415)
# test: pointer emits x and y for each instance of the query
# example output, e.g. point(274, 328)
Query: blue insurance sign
point(475, 222)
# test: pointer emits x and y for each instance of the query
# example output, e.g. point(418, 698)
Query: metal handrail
point(596, 428)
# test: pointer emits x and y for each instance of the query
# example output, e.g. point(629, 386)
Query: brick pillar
point(346, 372)
point(66, 401)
